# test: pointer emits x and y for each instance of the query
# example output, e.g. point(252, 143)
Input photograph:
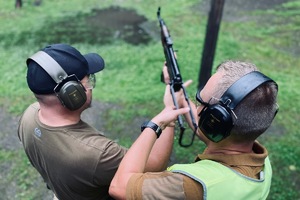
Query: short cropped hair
point(256, 111)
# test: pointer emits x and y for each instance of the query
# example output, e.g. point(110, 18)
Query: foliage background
point(130, 87)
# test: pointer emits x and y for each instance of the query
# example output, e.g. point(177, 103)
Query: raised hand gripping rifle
point(176, 82)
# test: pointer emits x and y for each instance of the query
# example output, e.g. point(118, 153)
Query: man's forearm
point(137, 156)
point(161, 151)
point(133, 162)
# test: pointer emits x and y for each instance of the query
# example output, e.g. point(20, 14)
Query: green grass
point(131, 77)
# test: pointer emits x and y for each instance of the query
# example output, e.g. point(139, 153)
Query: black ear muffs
point(215, 120)
point(69, 89)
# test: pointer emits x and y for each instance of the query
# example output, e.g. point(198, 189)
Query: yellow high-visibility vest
point(221, 182)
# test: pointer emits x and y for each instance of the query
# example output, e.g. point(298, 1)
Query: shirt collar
point(256, 158)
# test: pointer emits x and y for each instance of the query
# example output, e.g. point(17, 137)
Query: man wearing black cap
point(75, 160)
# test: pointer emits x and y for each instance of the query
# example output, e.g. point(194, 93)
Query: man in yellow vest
point(236, 106)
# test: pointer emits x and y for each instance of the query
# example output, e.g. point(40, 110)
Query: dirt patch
point(101, 26)
point(8, 131)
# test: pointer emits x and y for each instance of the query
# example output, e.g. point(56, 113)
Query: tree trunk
point(18, 4)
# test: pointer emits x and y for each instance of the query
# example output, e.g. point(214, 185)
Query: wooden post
point(18, 4)
point(212, 30)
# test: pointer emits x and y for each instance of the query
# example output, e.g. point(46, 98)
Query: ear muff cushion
point(72, 95)
point(215, 122)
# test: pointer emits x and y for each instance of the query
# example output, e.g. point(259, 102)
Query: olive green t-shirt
point(75, 161)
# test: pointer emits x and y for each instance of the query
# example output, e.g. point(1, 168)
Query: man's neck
point(58, 116)
point(226, 148)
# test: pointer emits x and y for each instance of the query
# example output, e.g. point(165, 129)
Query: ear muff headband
point(215, 120)
point(69, 90)
point(242, 87)
point(56, 72)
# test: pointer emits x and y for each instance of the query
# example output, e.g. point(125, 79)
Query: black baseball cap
point(70, 59)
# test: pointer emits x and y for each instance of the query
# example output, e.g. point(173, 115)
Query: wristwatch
point(153, 126)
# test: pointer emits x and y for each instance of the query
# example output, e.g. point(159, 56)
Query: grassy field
point(268, 37)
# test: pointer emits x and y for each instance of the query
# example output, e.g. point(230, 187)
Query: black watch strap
point(153, 126)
